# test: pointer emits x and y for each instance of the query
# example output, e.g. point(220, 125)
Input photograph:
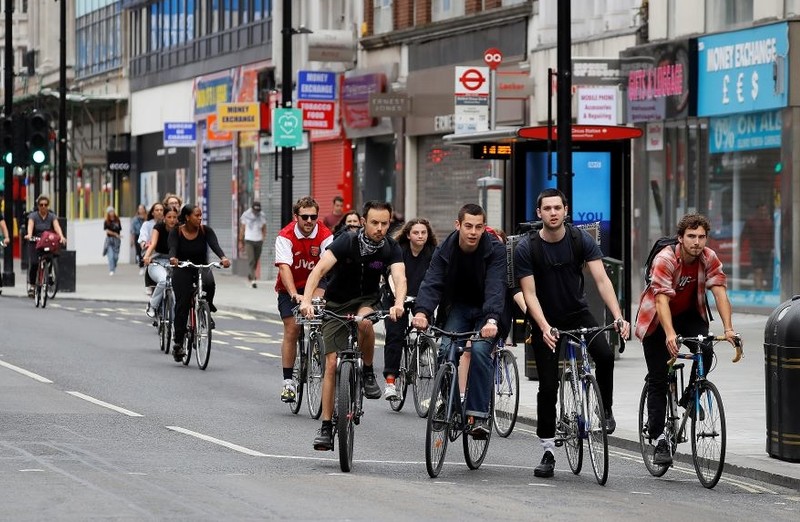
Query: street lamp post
point(564, 103)
point(286, 102)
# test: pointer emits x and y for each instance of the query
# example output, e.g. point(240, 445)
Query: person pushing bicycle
point(674, 303)
point(356, 263)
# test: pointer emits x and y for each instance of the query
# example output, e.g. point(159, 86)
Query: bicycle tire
point(166, 325)
point(645, 445)
point(424, 363)
point(438, 425)
point(316, 371)
point(202, 335)
point(709, 435)
point(188, 340)
point(506, 393)
point(597, 437)
point(297, 374)
point(568, 421)
point(346, 405)
point(401, 382)
point(43, 282)
point(475, 449)
point(38, 284)
point(52, 280)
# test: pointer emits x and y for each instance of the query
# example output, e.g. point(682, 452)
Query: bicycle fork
point(578, 385)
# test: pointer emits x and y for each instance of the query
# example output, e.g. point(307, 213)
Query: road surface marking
point(207, 438)
point(265, 354)
point(217, 341)
point(26, 373)
point(245, 348)
point(640, 493)
point(104, 404)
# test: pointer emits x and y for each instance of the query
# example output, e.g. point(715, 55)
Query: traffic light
point(6, 141)
point(38, 138)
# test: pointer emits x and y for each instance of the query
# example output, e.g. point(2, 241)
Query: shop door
point(220, 205)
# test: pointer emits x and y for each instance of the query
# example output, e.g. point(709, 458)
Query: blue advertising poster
point(180, 134)
point(741, 132)
point(743, 71)
point(316, 85)
point(591, 189)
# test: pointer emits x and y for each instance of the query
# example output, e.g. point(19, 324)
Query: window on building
point(381, 16)
point(726, 14)
point(791, 8)
point(445, 9)
point(97, 43)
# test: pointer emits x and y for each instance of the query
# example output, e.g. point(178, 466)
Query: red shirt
point(301, 253)
point(686, 290)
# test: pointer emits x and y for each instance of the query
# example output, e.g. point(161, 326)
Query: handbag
point(48, 242)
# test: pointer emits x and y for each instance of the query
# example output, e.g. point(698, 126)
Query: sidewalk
point(741, 384)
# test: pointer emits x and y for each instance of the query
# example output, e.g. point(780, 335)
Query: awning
point(503, 134)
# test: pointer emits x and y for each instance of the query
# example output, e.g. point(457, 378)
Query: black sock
point(327, 423)
point(287, 373)
point(368, 369)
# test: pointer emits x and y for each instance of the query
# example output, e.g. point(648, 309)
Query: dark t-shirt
point(162, 247)
point(560, 292)
point(194, 250)
point(416, 268)
point(468, 291)
point(114, 226)
point(42, 225)
point(686, 291)
point(353, 275)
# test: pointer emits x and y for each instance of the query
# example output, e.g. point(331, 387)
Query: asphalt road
point(96, 422)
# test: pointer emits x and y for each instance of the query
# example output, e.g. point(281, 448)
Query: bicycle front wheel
point(401, 382)
point(52, 279)
point(438, 426)
point(596, 429)
point(316, 369)
point(506, 393)
point(424, 362)
point(569, 412)
point(202, 335)
point(475, 449)
point(297, 374)
point(708, 434)
point(346, 389)
point(645, 441)
point(39, 286)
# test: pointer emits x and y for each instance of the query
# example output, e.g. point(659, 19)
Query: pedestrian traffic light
point(6, 141)
point(38, 138)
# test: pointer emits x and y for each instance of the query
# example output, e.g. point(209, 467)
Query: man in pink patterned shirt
point(675, 303)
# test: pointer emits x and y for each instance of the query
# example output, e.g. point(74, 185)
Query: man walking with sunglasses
point(252, 233)
point(298, 248)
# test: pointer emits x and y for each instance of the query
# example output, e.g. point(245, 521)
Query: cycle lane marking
point(104, 404)
point(26, 373)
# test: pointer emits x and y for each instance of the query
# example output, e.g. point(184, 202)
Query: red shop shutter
point(332, 174)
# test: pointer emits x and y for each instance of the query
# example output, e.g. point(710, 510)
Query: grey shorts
point(334, 331)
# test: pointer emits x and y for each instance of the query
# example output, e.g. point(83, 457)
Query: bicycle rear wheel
point(708, 435)
point(188, 340)
point(202, 337)
point(596, 429)
point(401, 381)
point(438, 426)
point(645, 441)
point(475, 449)
point(165, 325)
point(298, 372)
point(316, 369)
point(506, 393)
point(346, 413)
point(568, 421)
point(52, 280)
point(424, 363)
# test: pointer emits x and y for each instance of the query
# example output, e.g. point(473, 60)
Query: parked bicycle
point(200, 324)
point(506, 390)
point(708, 432)
point(447, 420)
point(581, 414)
point(309, 361)
point(165, 313)
point(46, 282)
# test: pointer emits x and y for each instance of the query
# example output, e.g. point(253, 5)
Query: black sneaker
point(662, 455)
point(371, 388)
point(324, 438)
point(211, 324)
point(546, 467)
point(479, 428)
point(178, 351)
point(611, 423)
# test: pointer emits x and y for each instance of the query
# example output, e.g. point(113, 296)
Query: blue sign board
point(759, 130)
point(316, 85)
point(743, 71)
point(180, 134)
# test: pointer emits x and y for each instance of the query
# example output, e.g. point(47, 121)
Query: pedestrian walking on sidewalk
point(113, 231)
point(333, 219)
point(675, 303)
point(298, 248)
point(252, 232)
point(136, 227)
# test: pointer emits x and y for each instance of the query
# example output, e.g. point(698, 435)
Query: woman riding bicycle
point(190, 241)
point(39, 221)
point(159, 251)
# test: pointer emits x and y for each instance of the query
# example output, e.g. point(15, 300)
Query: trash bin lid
point(783, 325)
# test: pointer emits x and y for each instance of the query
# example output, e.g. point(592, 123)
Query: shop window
point(727, 14)
point(382, 16)
point(446, 9)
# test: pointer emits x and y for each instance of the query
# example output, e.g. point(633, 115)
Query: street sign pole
point(8, 198)
point(564, 104)
point(286, 102)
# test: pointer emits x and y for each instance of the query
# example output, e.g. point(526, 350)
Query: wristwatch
point(491, 321)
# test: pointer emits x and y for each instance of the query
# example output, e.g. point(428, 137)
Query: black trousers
point(657, 356)
point(395, 340)
point(182, 281)
point(547, 363)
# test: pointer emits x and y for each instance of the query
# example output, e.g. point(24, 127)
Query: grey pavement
point(741, 385)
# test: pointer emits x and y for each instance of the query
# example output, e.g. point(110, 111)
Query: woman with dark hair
point(190, 241)
point(154, 216)
point(113, 229)
point(417, 241)
point(39, 221)
point(350, 222)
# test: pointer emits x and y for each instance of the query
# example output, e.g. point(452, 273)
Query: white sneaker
point(150, 312)
point(141, 271)
point(390, 393)
point(289, 391)
point(111, 273)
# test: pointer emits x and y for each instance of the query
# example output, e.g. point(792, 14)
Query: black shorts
point(286, 305)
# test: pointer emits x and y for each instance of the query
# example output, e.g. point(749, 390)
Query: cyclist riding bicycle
point(159, 251)
point(190, 241)
point(298, 249)
point(39, 221)
point(466, 280)
point(356, 263)
point(674, 303)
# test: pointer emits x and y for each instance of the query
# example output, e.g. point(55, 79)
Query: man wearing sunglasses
point(298, 248)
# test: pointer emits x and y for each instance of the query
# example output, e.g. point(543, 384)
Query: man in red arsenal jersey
point(298, 248)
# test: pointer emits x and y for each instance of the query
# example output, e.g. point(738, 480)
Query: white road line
point(207, 438)
point(245, 348)
point(217, 341)
point(104, 404)
point(265, 354)
point(537, 485)
point(26, 373)
point(640, 493)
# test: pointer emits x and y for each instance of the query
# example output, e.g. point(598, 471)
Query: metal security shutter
point(271, 201)
point(332, 174)
point(220, 205)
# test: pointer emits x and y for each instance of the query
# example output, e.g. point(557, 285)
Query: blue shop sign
point(180, 134)
point(316, 85)
point(741, 132)
point(743, 71)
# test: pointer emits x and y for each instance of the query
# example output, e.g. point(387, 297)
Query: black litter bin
point(66, 271)
point(782, 374)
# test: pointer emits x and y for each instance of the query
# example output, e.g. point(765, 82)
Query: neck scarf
point(366, 246)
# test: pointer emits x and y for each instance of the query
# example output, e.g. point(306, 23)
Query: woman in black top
point(190, 241)
point(159, 251)
point(113, 230)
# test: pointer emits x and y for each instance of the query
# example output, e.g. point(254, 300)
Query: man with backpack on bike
point(549, 266)
point(674, 302)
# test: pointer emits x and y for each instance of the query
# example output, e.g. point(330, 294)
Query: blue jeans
point(463, 318)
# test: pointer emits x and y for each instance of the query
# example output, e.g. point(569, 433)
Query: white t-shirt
point(253, 222)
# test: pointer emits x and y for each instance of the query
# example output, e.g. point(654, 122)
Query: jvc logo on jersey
point(302, 263)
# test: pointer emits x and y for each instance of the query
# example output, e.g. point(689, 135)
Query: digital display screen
point(491, 151)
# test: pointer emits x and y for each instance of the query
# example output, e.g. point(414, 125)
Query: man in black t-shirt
point(356, 263)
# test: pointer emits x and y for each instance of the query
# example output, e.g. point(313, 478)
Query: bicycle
point(446, 418)
point(309, 361)
point(581, 414)
point(165, 313)
point(417, 369)
point(708, 430)
point(46, 282)
point(198, 328)
point(506, 390)
point(349, 399)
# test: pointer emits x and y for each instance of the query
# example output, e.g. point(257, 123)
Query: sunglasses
point(44, 204)
point(306, 217)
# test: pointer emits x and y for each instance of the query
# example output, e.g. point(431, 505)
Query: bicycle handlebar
point(594, 331)
point(373, 317)
point(189, 264)
point(472, 336)
point(697, 340)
